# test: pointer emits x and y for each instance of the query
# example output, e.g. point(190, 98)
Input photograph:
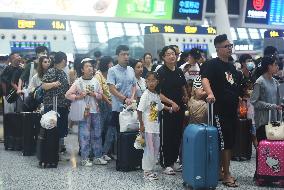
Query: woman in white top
point(43, 66)
point(137, 65)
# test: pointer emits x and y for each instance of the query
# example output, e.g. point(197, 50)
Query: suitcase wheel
point(40, 164)
point(27, 154)
point(262, 182)
point(48, 165)
point(186, 186)
point(259, 182)
point(281, 184)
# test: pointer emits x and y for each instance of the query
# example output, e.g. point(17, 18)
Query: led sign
point(274, 34)
point(257, 11)
point(187, 47)
point(32, 24)
point(180, 29)
point(188, 8)
point(22, 46)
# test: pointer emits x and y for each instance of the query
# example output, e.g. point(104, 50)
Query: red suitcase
point(270, 166)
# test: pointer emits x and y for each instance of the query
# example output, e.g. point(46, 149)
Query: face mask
point(250, 66)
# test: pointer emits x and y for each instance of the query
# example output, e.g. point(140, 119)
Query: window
point(142, 26)
point(242, 33)
point(81, 34)
point(115, 29)
point(253, 33)
point(233, 33)
point(261, 31)
point(132, 29)
point(101, 32)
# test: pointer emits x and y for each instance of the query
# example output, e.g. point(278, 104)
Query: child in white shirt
point(148, 109)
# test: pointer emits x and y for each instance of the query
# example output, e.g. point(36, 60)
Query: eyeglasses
point(170, 54)
point(227, 46)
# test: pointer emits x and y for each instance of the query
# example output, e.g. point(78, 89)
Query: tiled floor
point(21, 173)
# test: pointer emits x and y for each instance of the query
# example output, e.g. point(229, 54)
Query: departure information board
point(276, 13)
point(32, 24)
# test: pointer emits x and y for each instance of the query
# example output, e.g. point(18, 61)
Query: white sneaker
point(64, 157)
point(106, 158)
point(86, 163)
point(177, 167)
point(100, 161)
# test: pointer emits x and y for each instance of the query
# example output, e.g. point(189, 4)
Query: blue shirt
point(124, 79)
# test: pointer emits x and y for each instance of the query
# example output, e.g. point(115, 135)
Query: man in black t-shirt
point(221, 81)
point(10, 78)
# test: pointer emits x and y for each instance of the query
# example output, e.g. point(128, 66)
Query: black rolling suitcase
point(242, 149)
point(31, 126)
point(128, 158)
point(48, 144)
point(12, 131)
point(48, 147)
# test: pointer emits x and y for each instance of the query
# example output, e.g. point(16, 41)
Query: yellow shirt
point(99, 76)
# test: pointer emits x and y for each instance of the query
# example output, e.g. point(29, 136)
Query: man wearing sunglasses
point(221, 81)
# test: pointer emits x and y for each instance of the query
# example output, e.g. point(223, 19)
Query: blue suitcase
point(201, 155)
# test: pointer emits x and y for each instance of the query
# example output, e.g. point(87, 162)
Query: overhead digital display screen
point(23, 46)
point(187, 47)
point(188, 8)
point(274, 34)
point(257, 11)
point(276, 14)
point(32, 24)
point(179, 29)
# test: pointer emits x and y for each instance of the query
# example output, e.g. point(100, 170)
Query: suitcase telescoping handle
point(210, 114)
point(210, 123)
point(270, 115)
point(54, 103)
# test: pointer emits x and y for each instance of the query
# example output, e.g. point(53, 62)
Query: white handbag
point(128, 120)
point(274, 131)
point(49, 119)
point(77, 109)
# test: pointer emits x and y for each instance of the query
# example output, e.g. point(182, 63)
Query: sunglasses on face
point(227, 46)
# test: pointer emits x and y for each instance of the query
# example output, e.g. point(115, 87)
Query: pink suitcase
point(270, 166)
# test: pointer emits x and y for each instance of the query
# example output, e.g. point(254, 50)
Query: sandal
point(230, 184)
point(150, 176)
point(221, 177)
point(169, 171)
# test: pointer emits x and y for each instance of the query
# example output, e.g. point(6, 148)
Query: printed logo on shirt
point(153, 116)
point(193, 73)
point(230, 78)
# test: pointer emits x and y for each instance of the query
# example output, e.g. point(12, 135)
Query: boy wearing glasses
point(221, 81)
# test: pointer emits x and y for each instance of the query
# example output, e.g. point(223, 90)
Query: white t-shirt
point(92, 85)
point(35, 82)
point(193, 71)
point(150, 104)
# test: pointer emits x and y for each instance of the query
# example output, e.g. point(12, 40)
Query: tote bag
point(274, 130)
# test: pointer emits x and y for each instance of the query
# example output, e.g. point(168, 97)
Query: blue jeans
point(90, 136)
point(108, 130)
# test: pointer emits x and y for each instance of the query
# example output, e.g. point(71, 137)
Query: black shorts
point(227, 126)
